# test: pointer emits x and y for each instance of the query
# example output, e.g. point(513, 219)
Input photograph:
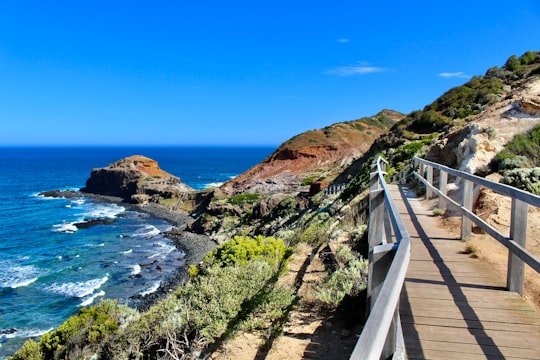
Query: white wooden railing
point(390, 245)
point(515, 242)
point(388, 261)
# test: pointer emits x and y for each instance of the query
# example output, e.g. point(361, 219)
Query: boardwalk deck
point(453, 306)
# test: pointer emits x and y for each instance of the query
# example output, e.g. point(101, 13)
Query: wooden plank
point(492, 303)
point(452, 350)
point(472, 336)
point(471, 324)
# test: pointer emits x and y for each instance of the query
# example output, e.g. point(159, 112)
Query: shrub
point(83, 334)
point(526, 145)
point(524, 179)
point(244, 198)
point(515, 162)
point(512, 63)
point(29, 351)
point(315, 233)
point(349, 280)
point(243, 249)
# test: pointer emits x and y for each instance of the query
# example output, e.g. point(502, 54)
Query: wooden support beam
point(518, 233)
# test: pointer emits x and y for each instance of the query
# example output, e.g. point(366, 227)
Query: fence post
point(376, 225)
point(443, 182)
point(429, 178)
point(382, 258)
point(467, 203)
point(518, 233)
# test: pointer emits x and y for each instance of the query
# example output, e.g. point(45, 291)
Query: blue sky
point(236, 72)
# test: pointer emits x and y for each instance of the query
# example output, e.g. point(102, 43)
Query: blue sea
point(49, 268)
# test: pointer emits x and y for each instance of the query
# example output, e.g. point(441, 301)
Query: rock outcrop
point(472, 147)
point(135, 179)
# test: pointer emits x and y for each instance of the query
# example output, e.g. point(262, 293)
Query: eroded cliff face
point(135, 179)
point(473, 146)
point(316, 154)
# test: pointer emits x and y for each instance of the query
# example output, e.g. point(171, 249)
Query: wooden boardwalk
point(453, 306)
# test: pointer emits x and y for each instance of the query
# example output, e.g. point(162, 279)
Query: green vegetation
point(233, 288)
point(241, 199)
point(307, 181)
point(524, 179)
point(349, 279)
point(522, 150)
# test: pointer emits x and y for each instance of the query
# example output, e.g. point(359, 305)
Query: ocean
point(49, 268)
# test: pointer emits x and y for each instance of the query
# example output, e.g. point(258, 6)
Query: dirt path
point(312, 331)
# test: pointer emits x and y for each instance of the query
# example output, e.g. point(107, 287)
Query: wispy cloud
point(458, 74)
point(343, 40)
point(360, 69)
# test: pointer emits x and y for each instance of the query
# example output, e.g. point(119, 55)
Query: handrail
point(518, 254)
point(381, 335)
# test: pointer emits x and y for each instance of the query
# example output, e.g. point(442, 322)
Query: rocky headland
point(312, 193)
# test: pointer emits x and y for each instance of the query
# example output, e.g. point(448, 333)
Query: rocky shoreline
point(195, 246)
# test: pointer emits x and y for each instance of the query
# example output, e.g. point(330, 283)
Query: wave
point(91, 299)
point(66, 227)
point(17, 276)
point(25, 333)
point(77, 289)
point(95, 245)
point(109, 211)
point(166, 249)
point(148, 231)
point(127, 251)
point(151, 289)
point(136, 270)
point(212, 185)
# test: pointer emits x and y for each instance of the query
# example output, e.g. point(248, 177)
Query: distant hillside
point(315, 154)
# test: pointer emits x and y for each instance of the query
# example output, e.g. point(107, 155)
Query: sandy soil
point(495, 209)
point(312, 332)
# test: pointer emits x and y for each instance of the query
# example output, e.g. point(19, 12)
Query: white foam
point(25, 333)
point(127, 251)
point(151, 289)
point(78, 201)
point(213, 185)
point(165, 250)
point(90, 299)
point(66, 227)
point(94, 245)
point(136, 269)
point(105, 211)
point(147, 231)
point(17, 276)
point(77, 289)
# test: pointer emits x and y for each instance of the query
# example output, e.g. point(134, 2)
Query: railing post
point(518, 233)
point(443, 182)
point(375, 227)
point(467, 203)
point(382, 258)
point(429, 178)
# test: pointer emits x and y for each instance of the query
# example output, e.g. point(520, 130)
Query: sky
point(237, 72)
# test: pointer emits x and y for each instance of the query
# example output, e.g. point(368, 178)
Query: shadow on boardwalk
point(453, 306)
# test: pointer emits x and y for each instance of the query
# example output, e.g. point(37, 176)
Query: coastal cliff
point(136, 179)
point(234, 289)
point(312, 155)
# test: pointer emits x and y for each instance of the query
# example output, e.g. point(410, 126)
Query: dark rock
point(93, 222)
point(65, 194)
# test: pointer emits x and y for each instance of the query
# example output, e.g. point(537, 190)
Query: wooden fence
point(390, 246)
point(515, 242)
point(388, 261)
